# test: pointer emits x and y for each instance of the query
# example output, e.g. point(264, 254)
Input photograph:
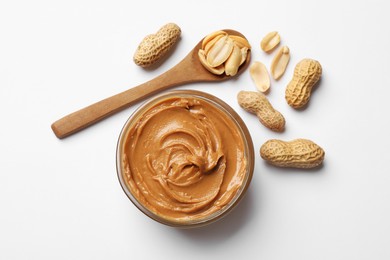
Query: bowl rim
point(249, 154)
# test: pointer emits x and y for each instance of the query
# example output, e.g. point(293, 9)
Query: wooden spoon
point(189, 70)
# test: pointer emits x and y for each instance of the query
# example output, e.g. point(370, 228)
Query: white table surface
point(61, 199)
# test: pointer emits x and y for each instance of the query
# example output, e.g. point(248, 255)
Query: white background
point(61, 199)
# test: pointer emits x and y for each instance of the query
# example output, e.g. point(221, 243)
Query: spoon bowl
point(189, 70)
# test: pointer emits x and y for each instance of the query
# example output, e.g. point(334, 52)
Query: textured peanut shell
point(306, 74)
point(298, 153)
point(257, 103)
point(154, 46)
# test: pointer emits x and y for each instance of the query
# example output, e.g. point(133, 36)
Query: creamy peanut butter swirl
point(184, 158)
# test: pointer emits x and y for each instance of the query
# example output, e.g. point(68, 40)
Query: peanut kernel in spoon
point(240, 41)
point(220, 52)
point(211, 43)
point(223, 53)
point(244, 53)
point(233, 62)
point(211, 37)
point(215, 70)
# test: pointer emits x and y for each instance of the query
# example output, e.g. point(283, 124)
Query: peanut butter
point(184, 158)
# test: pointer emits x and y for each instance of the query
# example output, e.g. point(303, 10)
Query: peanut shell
point(258, 104)
point(298, 153)
point(306, 74)
point(154, 46)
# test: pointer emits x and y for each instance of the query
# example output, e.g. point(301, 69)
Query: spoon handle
point(76, 121)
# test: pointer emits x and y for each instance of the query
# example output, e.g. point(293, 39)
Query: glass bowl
point(185, 158)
